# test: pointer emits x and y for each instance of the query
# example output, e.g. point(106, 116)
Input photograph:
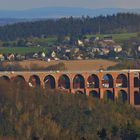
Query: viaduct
point(112, 85)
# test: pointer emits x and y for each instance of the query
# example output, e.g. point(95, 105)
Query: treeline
point(74, 27)
point(39, 114)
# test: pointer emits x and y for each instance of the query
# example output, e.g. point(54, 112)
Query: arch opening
point(49, 82)
point(64, 82)
point(107, 81)
point(78, 82)
point(122, 96)
point(136, 81)
point(121, 81)
point(4, 78)
point(34, 81)
point(93, 81)
point(108, 95)
point(137, 98)
point(19, 80)
point(94, 94)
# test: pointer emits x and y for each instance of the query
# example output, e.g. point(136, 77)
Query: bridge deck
point(91, 71)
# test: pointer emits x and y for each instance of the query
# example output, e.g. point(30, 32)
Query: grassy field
point(21, 50)
point(52, 40)
point(116, 37)
point(49, 40)
point(72, 65)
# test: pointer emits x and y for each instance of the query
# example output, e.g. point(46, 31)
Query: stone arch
point(64, 82)
point(122, 96)
point(93, 81)
point(49, 82)
point(137, 98)
point(78, 82)
point(19, 80)
point(94, 94)
point(34, 81)
point(79, 92)
point(108, 95)
point(4, 78)
point(121, 81)
point(107, 81)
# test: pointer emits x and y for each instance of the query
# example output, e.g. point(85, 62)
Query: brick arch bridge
point(124, 85)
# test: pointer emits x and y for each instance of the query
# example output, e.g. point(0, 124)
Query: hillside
point(28, 113)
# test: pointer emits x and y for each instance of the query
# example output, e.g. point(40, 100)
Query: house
point(11, 57)
point(97, 38)
point(35, 55)
point(68, 53)
point(67, 38)
point(48, 59)
point(86, 40)
point(76, 50)
point(88, 49)
point(56, 59)
point(95, 49)
point(58, 49)
point(108, 39)
point(38, 45)
point(105, 50)
point(29, 44)
point(53, 54)
point(91, 54)
point(43, 55)
point(117, 48)
point(18, 57)
point(79, 57)
point(102, 44)
point(94, 38)
point(2, 58)
point(65, 57)
point(139, 48)
point(80, 43)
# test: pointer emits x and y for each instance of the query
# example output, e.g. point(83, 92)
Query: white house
point(43, 55)
point(53, 54)
point(2, 57)
point(117, 48)
point(139, 48)
point(80, 43)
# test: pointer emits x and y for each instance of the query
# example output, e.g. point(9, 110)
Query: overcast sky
point(28, 4)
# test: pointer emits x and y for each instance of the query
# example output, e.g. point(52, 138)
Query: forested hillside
point(38, 114)
point(74, 27)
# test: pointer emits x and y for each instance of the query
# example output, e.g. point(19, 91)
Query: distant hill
point(8, 21)
point(57, 12)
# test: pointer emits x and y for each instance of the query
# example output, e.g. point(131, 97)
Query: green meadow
point(21, 50)
point(116, 37)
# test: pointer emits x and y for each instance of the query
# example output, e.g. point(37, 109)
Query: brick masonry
point(131, 89)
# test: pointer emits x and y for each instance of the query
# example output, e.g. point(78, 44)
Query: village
point(81, 49)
